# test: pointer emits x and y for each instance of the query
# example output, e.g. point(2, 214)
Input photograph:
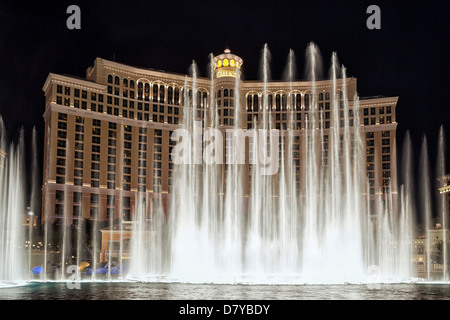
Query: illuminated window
point(225, 62)
point(219, 63)
point(232, 63)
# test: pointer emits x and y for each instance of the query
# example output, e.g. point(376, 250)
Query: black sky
point(408, 57)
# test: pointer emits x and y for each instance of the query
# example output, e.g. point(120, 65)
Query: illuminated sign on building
point(225, 72)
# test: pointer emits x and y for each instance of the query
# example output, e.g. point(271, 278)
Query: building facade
point(430, 257)
point(444, 191)
point(107, 136)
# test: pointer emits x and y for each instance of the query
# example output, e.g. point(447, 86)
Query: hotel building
point(429, 247)
point(107, 136)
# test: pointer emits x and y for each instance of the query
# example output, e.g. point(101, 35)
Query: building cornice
point(142, 72)
point(107, 117)
point(76, 82)
point(378, 101)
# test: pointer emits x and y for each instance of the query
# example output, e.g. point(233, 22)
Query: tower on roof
point(227, 65)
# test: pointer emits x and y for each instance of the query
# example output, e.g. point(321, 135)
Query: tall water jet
point(311, 255)
point(287, 190)
point(192, 256)
point(426, 199)
point(34, 197)
point(140, 241)
point(66, 245)
point(47, 204)
point(12, 209)
point(232, 221)
point(263, 236)
point(407, 212)
point(442, 204)
point(355, 179)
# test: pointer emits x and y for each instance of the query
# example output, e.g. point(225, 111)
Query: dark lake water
point(182, 291)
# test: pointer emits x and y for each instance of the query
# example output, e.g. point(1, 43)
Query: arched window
point(327, 96)
point(177, 96)
point(131, 84)
point(170, 95)
point(110, 78)
point(341, 94)
point(231, 93)
point(269, 101)
point(299, 101)
point(249, 103)
point(225, 92)
point(117, 80)
point(199, 99)
point(320, 96)
point(190, 97)
point(306, 101)
point(255, 102)
point(147, 91)
point(125, 82)
point(278, 102)
point(205, 99)
point(140, 90)
point(219, 94)
point(284, 100)
point(155, 93)
point(161, 94)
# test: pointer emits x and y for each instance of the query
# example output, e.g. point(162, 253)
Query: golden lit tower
point(227, 79)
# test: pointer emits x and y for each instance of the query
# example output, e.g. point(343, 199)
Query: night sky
point(408, 57)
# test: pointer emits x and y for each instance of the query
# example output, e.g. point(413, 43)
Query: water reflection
point(180, 291)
